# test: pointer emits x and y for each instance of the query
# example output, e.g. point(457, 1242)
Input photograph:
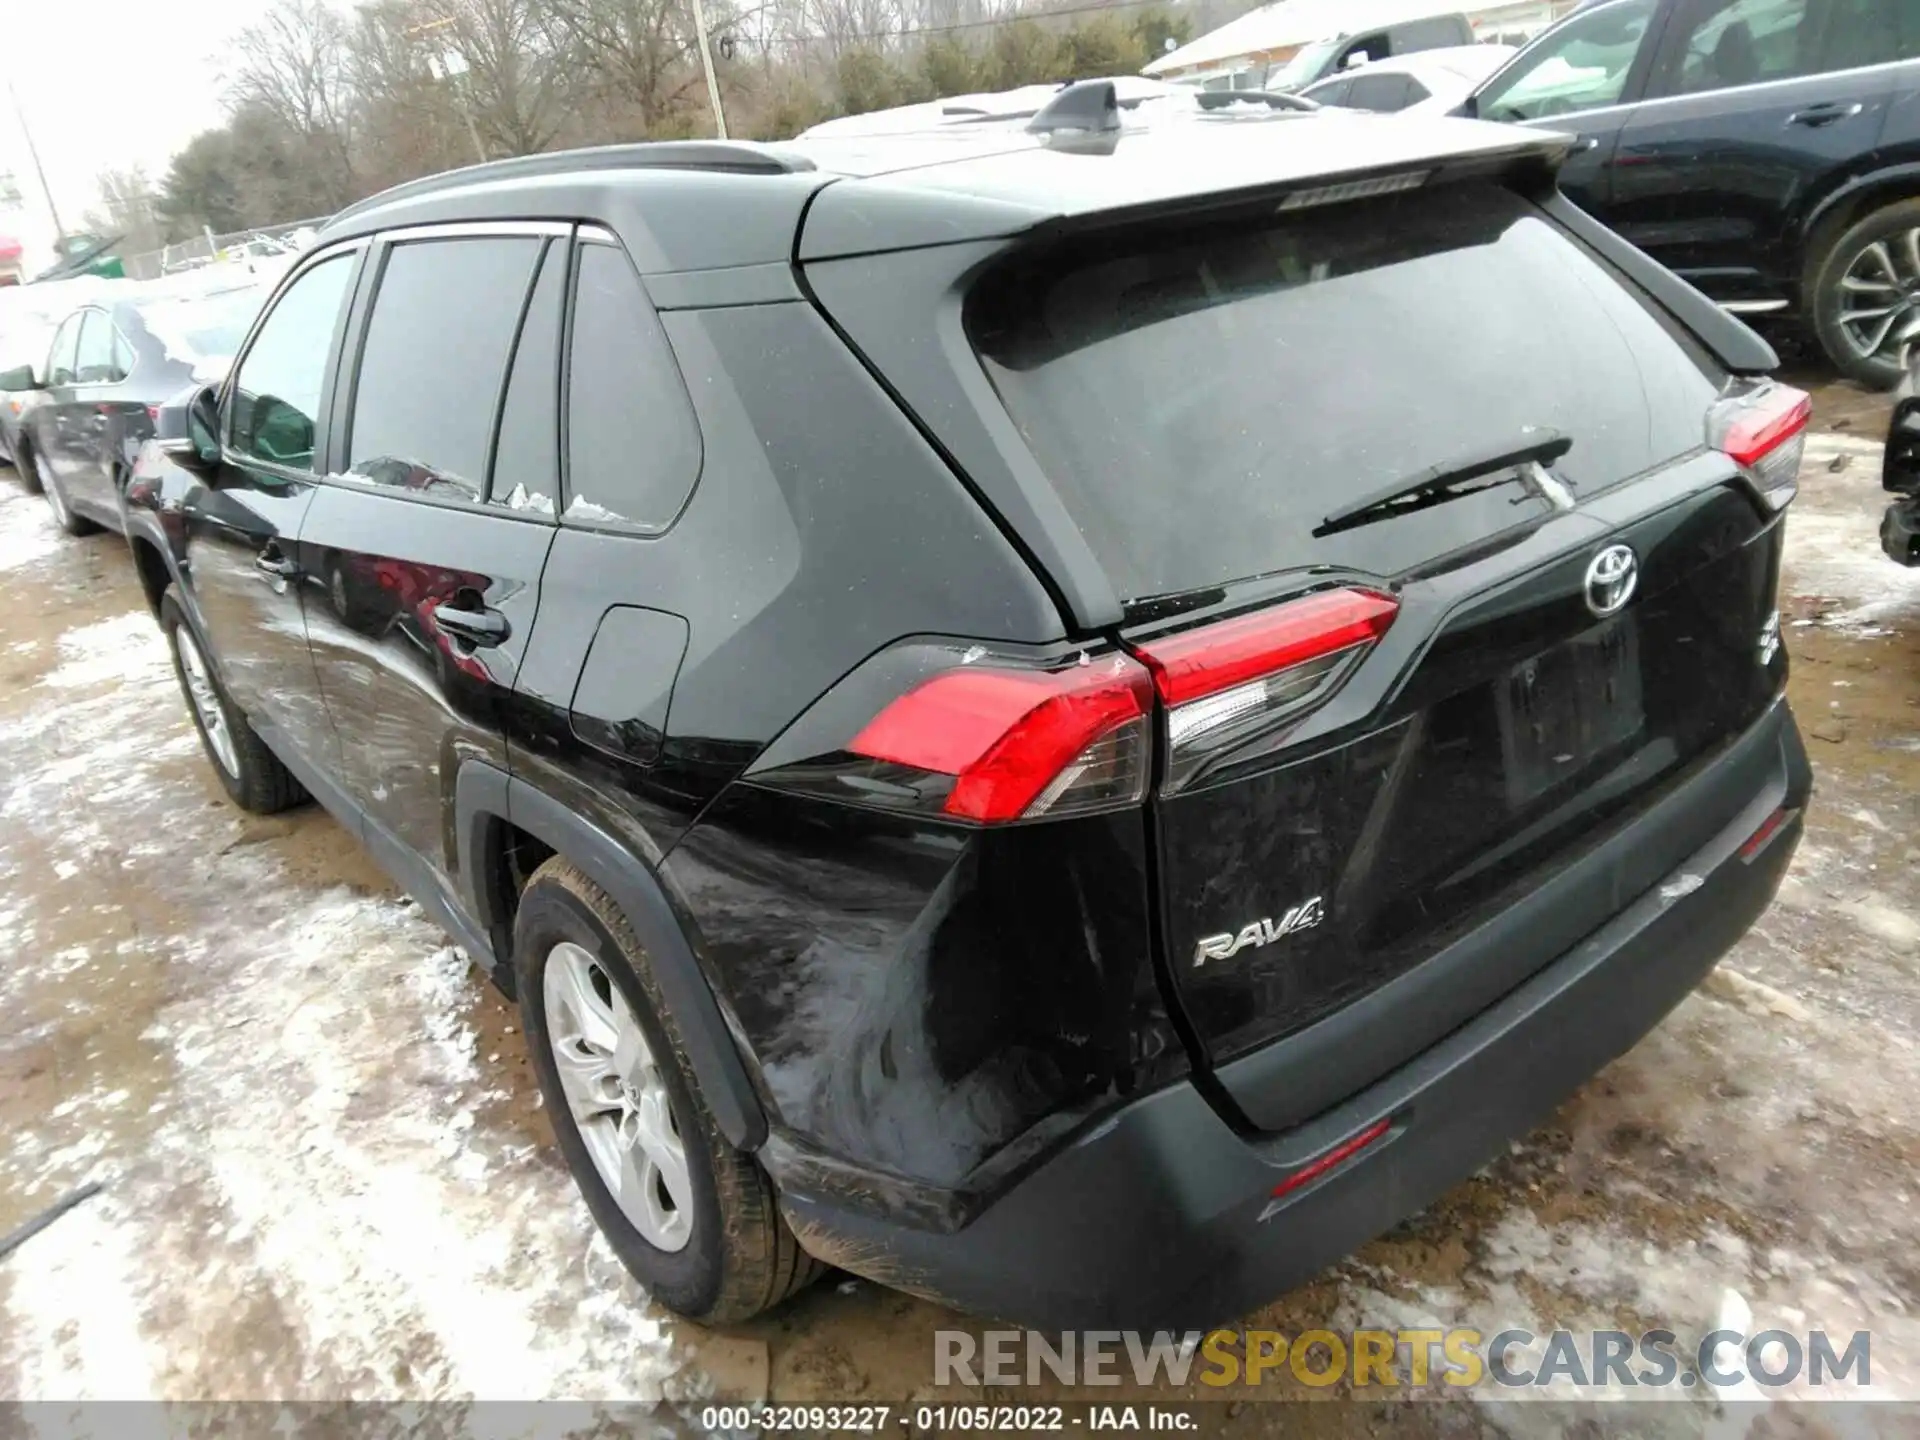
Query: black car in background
point(1075, 727)
point(110, 366)
point(1767, 150)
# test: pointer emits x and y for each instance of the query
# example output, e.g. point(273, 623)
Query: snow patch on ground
point(385, 1221)
point(125, 648)
point(1833, 554)
point(27, 532)
point(322, 1199)
point(73, 1310)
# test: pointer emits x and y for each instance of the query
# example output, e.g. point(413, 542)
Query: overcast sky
point(106, 84)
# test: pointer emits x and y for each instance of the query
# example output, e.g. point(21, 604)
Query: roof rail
point(735, 157)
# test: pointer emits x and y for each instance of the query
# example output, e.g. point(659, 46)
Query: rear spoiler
point(1079, 170)
point(1733, 342)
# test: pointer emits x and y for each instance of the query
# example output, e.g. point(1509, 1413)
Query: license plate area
point(1569, 708)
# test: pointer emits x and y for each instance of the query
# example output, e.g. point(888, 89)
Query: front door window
point(1583, 65)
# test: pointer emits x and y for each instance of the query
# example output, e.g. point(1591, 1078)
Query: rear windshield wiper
point(1448, 480)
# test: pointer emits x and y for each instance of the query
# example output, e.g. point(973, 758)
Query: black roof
point(699, 205)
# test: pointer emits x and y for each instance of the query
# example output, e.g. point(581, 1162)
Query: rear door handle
point(1584, 144)
point(1814, 116)
point(271, 562)
point(476, 627)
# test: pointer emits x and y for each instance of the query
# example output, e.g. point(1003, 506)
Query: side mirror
point(21, 377)
point(187, 429)
point(1355, 60)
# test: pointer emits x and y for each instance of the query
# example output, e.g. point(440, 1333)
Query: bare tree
point(508, 66)
point(293, 67)
point(127, 208)
point(638, 52)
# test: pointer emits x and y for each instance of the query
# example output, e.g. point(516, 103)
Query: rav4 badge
point(1303, 916)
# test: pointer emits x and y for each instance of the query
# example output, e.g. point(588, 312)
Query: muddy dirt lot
point(327, 1174)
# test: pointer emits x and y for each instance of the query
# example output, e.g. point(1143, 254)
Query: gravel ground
point(327, 1174)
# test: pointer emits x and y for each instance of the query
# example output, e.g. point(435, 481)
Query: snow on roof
point(959, 111)
point(1292, 23)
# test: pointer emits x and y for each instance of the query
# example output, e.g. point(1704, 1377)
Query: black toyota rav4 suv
point(1075, 722)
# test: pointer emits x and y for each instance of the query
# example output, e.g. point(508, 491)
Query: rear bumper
point(1159, 1215)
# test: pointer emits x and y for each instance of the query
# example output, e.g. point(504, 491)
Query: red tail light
point(1764, 430)
point(1223, 682)
point(1021, 744)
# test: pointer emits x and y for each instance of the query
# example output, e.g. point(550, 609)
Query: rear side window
point(1725, 44)
point(633, 446)
point(526, 458)
point(95, 364)
point(1381, 93)
point(1871, 32)
point(60, 354)
point(1203, 398)
point(434, 360)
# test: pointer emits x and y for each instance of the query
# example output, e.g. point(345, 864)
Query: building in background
point(1244, 53)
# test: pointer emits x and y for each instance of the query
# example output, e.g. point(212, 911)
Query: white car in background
point(1429, 82)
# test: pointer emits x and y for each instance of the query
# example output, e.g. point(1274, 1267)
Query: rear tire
point(23, 465)
point(253, 776)
point(1864, 294)
point(722, 1252)
point(48, 484)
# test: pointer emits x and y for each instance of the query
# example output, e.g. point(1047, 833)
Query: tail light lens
point(1226, 682)
point(1764, 430)
point(989, 739)
point(1022, 744)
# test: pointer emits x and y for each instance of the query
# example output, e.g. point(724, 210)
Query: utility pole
point(706, 64)
point(441, 69)
point(59, 230)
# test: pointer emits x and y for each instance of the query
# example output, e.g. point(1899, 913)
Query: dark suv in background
point(1075, 722)
point(1767, 150)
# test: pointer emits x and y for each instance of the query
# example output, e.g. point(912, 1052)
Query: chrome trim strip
point(468, 229)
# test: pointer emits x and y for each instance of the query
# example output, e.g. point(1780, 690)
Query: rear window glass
point(1203, 398)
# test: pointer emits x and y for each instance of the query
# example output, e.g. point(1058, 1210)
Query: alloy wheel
point(1880, 298)
point(206, 701)
point(618, 1096)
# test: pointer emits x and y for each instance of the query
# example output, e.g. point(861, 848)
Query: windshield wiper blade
point(1446, 481)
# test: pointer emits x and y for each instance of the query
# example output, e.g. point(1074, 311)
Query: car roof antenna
point(1086, 114)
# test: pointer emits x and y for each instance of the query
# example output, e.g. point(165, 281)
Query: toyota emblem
point(1611, 578)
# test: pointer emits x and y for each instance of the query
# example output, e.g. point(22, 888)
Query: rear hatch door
point(1524, 654)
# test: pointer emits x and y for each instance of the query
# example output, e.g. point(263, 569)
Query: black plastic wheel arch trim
point(483, 796)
